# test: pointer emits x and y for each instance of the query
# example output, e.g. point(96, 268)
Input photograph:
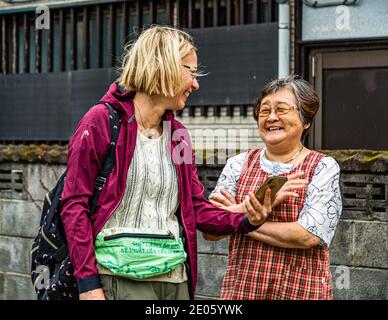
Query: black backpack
point(51, 269)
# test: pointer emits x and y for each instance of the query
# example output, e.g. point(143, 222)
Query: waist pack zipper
point(139, 235)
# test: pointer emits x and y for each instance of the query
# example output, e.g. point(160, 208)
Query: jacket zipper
point(179, 172)
point(139, 235)
point(180, 190)
point(188, 259)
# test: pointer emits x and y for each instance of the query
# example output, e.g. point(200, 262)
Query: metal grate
point(204, 111)
point(93, 35)
point(365, 192)
point(209, 175)
point(11, 182)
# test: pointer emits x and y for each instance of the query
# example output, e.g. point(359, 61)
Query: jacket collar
point(122, 101)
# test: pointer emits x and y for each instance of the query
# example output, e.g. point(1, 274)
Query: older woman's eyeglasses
point(280, 109)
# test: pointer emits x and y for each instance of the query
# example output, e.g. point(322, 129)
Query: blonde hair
point(153, 63)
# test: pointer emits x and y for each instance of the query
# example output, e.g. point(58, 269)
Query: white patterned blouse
point(323, 204)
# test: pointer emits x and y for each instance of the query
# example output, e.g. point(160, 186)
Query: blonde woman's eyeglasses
point(192, 70)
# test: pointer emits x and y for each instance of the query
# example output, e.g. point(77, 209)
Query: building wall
point(240, 132)
point(245, 126)
point(366, 19)
point(19, 222)
point(18, 5)
point(359, 254)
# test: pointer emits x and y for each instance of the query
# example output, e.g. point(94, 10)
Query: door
point(353, 89)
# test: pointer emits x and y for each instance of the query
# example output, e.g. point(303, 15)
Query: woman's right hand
point(256, 212)
point(96, 294)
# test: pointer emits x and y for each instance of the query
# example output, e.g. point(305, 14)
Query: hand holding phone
point(274, 183)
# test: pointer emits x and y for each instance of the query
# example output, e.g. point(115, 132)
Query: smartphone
point(275, 183)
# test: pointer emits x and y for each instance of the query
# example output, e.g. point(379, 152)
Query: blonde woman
point(140, 242)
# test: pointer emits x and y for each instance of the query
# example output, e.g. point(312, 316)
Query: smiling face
point(189, 81)
point(281, 130)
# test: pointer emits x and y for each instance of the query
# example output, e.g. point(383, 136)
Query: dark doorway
point(353, 87)
point(355, 108)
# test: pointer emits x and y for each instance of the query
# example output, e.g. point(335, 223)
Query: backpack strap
point(110, 158)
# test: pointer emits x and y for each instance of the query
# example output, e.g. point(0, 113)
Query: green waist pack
point(138, 255)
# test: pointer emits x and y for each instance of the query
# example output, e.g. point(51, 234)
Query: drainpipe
point(284, 39)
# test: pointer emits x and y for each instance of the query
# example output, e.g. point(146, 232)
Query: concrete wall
point(367, 19)
point(19, 221)
point(359, 251)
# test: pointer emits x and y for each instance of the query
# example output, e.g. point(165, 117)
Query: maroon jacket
point(87, 149)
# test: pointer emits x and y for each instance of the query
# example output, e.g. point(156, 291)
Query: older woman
point(288, 256)
point(140, 243)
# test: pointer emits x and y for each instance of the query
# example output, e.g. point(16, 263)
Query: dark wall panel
point(47, 107)
point(88, 87)
point(355, 109)
point(239, 59)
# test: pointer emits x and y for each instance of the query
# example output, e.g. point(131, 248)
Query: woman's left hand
point(290, 188)
point(258, 213)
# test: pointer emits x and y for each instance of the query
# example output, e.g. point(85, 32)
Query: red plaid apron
point(257, 270)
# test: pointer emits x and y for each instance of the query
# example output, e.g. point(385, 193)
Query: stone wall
point(359, 251)
point(20, 211)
